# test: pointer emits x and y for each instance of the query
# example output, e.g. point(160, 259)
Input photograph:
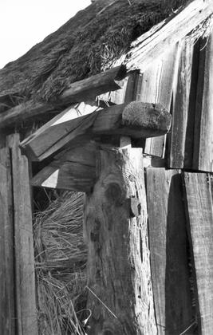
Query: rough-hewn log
point(91, 87)
point(137, 120)
point(79, 91)
point(198, 199)
point(161, 37)
point(71, 170)
point(119, 282)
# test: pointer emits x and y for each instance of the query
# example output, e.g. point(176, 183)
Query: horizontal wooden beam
point(79, 91)
point(137, 120)
point(70, 170)
point(160, 38)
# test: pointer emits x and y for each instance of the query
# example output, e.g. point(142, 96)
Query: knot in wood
point(114, 194)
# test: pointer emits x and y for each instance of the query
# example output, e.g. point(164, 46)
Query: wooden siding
point(199, 208)
point(169, 254)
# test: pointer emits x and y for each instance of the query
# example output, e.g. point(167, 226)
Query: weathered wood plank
point(160, 39)
point(7, 276)
point(199, 198)
point(118, 253)
point(155, 86)
point(168, 249)
point(126, 93)
point(25, 275)
point(180, 108)
point(203, 133)
point(79, 91)
point(137, 120)
point(74, 169)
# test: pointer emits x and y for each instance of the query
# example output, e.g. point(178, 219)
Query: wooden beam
point(71, 170)
point(198, 200)
point(77, 92)
point(137, 120)
point(23, 236)
point(7, 257)
point(168, 249)
point(160, 38)
point(118, 269)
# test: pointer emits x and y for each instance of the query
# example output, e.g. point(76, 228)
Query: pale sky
point(23, 23)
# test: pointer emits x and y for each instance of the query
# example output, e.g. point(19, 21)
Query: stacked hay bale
point(60, 259)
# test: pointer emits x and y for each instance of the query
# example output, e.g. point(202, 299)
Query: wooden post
point(7, 277)
point(118, 270)
point(24, 257)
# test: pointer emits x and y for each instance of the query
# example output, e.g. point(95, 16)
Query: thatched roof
point(87, 44)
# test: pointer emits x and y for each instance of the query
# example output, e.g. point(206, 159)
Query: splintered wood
point(168, 248)
point(199, 199)
point(119, 278)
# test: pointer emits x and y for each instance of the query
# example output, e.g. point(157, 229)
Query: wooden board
point(203, 133)
point(166, 34)
point(199, 199)
point(168, 249)
point(24, 252)
point(155, 86)
point(136, 119)
point(7, 275)
point(180, 108)
point(73, 169)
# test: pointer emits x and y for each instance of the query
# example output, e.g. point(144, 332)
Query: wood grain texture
point(163, 36)
point(118, 266)
point(73, 169)
point(79, 91)
point(203, 133)
point(155, 86)
point(136, 119)
point(168, 248)
point(199, 199)
point(180, 108)
point(24, 252)
point(7, 275)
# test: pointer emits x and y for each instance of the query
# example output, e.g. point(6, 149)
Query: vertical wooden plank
point(126, 93)
point(199, 198)
point(203, 134)
point(25, 274)
point(181, 98)
point(169, 254)
point(155, 86)
point(7, 278)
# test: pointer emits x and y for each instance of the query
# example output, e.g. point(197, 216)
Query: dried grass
point(60, 258)
point(86, 45)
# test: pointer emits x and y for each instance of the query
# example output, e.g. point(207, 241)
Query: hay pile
point(60, 258)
